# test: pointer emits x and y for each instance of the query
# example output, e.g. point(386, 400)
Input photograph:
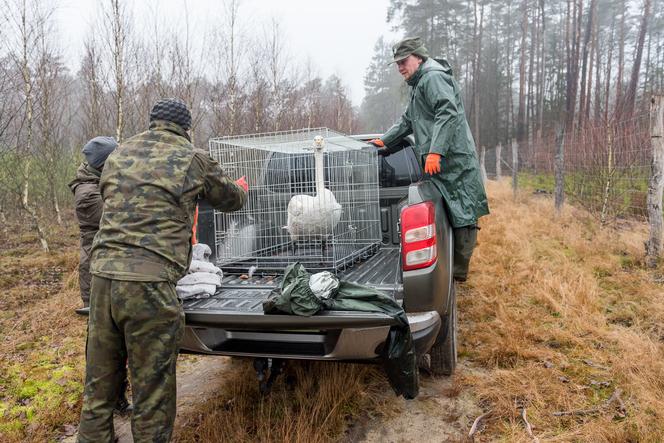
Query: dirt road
point(442, 412)
point(198, 379)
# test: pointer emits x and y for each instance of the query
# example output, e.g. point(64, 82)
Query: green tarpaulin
point(296, 297)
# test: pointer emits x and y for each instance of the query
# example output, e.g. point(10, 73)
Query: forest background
point(526, 68)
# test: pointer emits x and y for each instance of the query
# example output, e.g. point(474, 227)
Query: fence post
point(610, 171)
point(656, 185)
point(515, 166)
point(499, 166)
point(559, 168)
point(482, 165)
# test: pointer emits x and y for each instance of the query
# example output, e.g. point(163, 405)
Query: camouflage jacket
point(150, 186)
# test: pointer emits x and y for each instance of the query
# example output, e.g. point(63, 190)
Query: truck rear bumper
point(322, 340)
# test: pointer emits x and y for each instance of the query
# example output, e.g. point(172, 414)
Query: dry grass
point(555, 307)
point(42, 365)
point(318, 404)
point(41, 351)
point(558, 314)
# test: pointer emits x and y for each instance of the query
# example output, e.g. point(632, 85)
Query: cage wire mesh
point(313, 203)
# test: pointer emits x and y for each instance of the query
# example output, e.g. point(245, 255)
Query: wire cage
point(313, 198)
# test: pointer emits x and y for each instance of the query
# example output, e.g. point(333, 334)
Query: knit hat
point(97, 150)
point(173, 110)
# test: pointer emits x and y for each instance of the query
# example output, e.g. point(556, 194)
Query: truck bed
point(240, 300)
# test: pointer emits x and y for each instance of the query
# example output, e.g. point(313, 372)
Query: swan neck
point(319, 170)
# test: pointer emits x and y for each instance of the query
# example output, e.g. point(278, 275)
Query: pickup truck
point(413, 264)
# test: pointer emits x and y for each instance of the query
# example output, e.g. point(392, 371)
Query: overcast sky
point(338, 36)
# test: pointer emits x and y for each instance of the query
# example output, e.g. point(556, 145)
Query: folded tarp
point(296, 296)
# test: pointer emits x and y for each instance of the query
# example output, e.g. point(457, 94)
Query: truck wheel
point(444, 351)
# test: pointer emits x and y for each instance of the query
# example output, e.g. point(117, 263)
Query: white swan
point(314, 217)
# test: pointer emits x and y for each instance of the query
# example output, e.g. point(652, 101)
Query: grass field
point(559, 316)
point(621, 195)
point(41, 365)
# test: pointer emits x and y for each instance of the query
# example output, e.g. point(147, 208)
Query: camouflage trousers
point(465, 239)
point(144, 323)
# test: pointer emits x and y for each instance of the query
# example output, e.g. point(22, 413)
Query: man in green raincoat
point(443, 143)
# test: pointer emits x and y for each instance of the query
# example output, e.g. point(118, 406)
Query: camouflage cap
point(408, 46)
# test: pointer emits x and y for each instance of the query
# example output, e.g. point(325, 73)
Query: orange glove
point(382, 150)
point(242, 182)
point(194, 228)
point(432, 165)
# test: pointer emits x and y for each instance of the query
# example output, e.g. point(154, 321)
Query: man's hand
point(432, 164)
point(382, 150)
point(242, 182)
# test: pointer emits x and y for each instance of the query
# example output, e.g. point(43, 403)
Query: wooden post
point(559, 169)
point(515, 166)
point(610, 171)
point(482, 164)
point(499, 166)
point(656, 185)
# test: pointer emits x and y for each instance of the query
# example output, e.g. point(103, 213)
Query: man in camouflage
point(150, 186)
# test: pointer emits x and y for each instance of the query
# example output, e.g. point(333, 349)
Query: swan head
point(319, 142)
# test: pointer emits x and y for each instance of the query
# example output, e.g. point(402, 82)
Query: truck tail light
point(418, 236)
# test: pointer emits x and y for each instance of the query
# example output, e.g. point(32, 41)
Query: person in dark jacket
point(150, 186)
point(88, 203)
point(443, 143)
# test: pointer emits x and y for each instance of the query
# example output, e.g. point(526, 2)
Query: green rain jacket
point(436, 117)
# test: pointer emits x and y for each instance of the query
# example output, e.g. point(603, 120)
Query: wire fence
point(606, 167)
point(611, 169)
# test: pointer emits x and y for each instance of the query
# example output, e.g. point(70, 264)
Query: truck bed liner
point(239, 301)
point(381, 271)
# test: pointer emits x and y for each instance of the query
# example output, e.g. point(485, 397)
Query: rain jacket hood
point(436, 117)
point(428, 66)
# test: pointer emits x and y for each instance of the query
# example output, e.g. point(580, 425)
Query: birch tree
point(28, 23)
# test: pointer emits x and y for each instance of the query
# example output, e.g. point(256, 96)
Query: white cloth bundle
point(200, 278)
point(203, 277)
point(204, 266)
point(323, 284)
point(185, 292)
point(201, 252)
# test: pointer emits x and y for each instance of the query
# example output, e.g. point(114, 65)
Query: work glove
point(242, 182)
point(432, 164)
point(194, 227)
point(382, 150)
